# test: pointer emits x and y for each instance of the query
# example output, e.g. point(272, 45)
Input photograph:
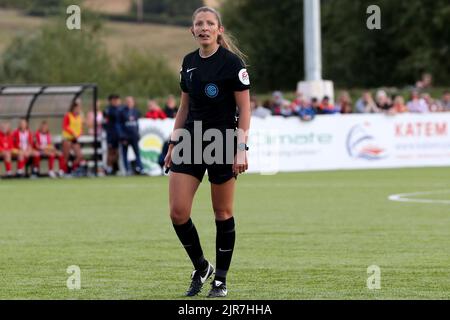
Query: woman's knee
point(179, 215)
point(223, 214)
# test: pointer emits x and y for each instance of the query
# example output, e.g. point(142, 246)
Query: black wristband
point(173, 142)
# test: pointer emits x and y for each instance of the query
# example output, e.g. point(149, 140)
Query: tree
point(414, 38)
point(172, 7)
point(144, 74)
point(55, 54)
point(270, 33)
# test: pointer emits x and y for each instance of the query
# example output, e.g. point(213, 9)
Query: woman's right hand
point(168, 158)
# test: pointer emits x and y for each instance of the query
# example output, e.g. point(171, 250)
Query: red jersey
point(22, 140)
point(156, 114)
point(6, 141)
point(43, 140)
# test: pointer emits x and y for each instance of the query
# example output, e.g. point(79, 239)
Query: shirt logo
point(211, 90)
point(243, 77)
point(189, 70)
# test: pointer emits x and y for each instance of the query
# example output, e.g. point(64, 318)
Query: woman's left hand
point(240, 162)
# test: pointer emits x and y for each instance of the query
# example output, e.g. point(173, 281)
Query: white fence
point(332, 142)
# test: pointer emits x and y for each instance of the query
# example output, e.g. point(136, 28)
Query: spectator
point(399, 105)
point(23, 148)
point(6, 147)
point(425, 82)
point(326, 107)
point(257, 110)
point(90, 120)
point(431, 104)
point(366, 104)
point(154, 111)
point(72, 130)
point(111, 124)
point(306, 112)
point(286, 110)
point(417, 104)
point(267, 104)
point(344, 104)
point(278, 103)
point(170, 109)
point(315, 104)
point(129, 133)
point(297, 103)
point(45, 147)
point(383, 102)
point(444, 103)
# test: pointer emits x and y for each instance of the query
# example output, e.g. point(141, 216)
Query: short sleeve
point(240, 76)
point(183, 85)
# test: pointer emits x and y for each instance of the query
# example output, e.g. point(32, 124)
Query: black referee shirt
point(211, 83)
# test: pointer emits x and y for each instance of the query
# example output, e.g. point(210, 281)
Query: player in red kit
point(6, 146)
point(23, 148)
point(45, 147)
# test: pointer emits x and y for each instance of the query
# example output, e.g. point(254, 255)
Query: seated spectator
point(417, 104)
point(315, 104)
point(431, 104)
point(268, 105)
point(306, 112)
point(170, 109)
point(23, 148)
point(444, 103)
point(344, 104)
point(6, 147)
point(45, 147)
point(278, 103)
point(399, 105)
point(90, 120)
point(72, 130)
point(383, 102)
point(154, 111)
point(286, 110)
point(257, 110)
point(326, 107)
point(366, 104)
point(297, 103)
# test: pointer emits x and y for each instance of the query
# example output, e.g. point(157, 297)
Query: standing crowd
point(382, 103)
point(122, 129)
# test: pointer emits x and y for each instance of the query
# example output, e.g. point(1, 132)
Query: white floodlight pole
point(313, 38)
point(313, 86)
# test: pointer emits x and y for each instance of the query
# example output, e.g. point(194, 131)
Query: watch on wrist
point(242, 147)
point(172, 142)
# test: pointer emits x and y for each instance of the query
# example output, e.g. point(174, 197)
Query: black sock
point(187, 233)
point(225, 239)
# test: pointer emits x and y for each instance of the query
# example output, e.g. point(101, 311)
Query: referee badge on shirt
point(211, 90)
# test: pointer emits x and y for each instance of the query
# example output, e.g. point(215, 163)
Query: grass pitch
point(299, 236)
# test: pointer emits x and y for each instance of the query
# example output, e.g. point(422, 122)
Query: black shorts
point(218, 173)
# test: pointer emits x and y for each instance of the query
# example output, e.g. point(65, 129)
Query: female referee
point(214, 82)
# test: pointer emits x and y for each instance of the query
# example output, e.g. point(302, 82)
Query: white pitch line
point(404, 197)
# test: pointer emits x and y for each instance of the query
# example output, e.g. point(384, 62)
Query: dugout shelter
point(51, 102)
